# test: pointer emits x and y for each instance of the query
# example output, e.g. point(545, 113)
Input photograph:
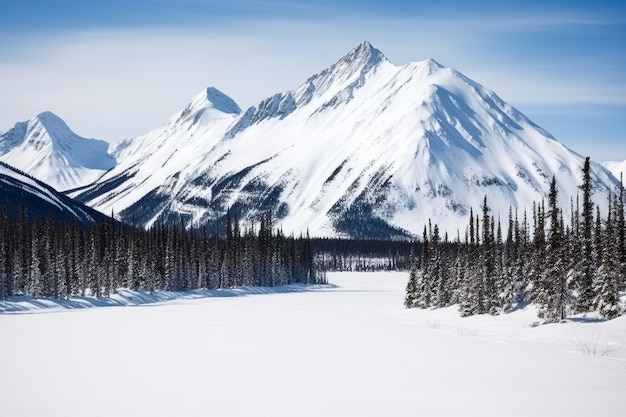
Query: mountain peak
point(52, 123)
point(423, 68)
point(431, 63)
point(47, 115)
point(47, 149)
point(345, 74)
point(221, 101)
point(209, 102)
point(363, 55)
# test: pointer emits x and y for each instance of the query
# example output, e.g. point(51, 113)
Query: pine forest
point(44, 258)
point(562, 268)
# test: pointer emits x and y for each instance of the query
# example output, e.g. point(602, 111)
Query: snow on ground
point(344, 350)
point(126, 297)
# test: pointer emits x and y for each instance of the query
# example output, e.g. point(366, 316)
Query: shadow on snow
point(126, 297)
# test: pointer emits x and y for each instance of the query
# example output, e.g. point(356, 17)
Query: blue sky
point(114, 69)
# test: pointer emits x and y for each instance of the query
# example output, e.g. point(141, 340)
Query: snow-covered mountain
point(364, 148)
point(618, 169)
point(18, 188)
point(47, 149)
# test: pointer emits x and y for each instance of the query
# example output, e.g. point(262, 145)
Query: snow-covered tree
point(35, 278)
point(586, 266)
point(606, 301)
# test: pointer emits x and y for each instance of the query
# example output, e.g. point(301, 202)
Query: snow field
point(343, 350)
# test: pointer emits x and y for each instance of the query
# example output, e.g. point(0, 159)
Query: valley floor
point(348, 349)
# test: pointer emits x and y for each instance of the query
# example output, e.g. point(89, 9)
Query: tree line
point(562, 268)
point(336, 254)
point(47, 258)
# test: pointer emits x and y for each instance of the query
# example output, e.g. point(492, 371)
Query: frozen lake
point(347, 350)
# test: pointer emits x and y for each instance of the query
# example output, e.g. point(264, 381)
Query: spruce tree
point(464, 279)
point(471, 293)
point(487, 257)
point(621, 238)
point(21, 253)
point(585, 269)
point(133, 260)
point(537, 258)
point(5, 272)
point(502, 274)
point(92, 264)
point(607, 297)
point(411, 288)
point(423, 298)
point(35, 279)
point(63, 256)
point(552, 280)
point(438, 272)
point(76, 264)
point(510, 276)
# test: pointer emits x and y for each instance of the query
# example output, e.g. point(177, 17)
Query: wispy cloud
point(117, 80)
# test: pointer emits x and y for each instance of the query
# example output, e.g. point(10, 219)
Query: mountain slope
point(365, 148)
point(618, 169)
point(157, 159)
point(47, 149)
point(39, 199)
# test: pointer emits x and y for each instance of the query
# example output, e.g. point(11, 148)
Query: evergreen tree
point(423, 299)
point(92, 264)
point(508, 276)
point(585, 268)
point(439, 272)
point(621, 237)
point(520, 264)
point(411, 288)
point(502, 273)
point(21, 254)
point(63, 262)
point(466, 299)
point(607, 297)
point(489, 303)
point(48, 260)
point(471, 297)
point(537, 258)
point(76, 264)
point(5, 272)
point(35, 279)
point(553, 278)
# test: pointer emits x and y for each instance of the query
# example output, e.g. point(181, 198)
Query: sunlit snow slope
point(365, 148)
point(618, 169)
point(47, 149)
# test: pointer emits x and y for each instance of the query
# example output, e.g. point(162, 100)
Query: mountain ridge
point(363, 148)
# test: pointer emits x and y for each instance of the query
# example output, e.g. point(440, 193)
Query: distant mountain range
point(364, 148)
